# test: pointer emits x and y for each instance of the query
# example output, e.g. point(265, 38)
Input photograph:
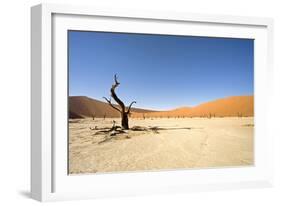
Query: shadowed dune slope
point(81, 107)
point(225, 107)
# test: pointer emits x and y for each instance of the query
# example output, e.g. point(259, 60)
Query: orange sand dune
point(81, 107)
point(230, 106)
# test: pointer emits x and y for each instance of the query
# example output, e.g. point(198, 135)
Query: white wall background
point(15, 100)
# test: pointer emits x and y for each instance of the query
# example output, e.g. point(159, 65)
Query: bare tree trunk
point(125, 121)
point(123, 112)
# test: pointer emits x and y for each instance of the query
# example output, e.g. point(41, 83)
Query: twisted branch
point(129, 108)
point(109, 102)
point(113, 94)
point(116, 82)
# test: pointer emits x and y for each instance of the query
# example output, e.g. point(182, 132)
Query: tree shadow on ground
point(117, 132)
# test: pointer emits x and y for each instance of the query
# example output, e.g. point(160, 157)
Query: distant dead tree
point(123, 111)
point(93, 116)
point(143, 115)
point(239, 114)
point(104, 116)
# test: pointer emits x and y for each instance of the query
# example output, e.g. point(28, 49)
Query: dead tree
point(123, 111)
point(239, 114)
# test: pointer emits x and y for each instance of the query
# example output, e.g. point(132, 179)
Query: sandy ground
point(185, 143)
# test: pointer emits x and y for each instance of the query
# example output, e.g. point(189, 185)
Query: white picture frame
point(49, 179)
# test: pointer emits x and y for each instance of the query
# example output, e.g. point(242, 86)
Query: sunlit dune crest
point(226, 107)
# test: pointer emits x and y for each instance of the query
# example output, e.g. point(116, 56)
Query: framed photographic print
point(136, 102)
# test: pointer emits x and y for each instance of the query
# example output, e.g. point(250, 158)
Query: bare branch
point(109, 102)
point(116, 83)
point(113, 94)
point(129, 108)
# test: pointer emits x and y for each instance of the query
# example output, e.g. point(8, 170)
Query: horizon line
point(156, 110)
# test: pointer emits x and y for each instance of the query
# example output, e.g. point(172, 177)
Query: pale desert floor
point(185, 143)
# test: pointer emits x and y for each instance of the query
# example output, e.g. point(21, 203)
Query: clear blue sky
point(159, 71)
